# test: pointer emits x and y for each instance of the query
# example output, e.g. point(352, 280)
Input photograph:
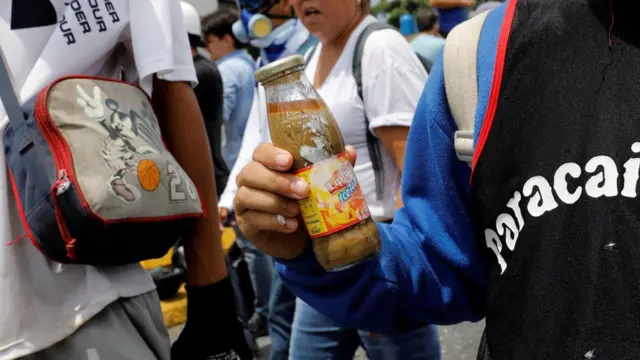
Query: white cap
point(191, 19)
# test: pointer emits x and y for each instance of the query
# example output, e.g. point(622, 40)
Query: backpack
point(460, 61)
point(373, 144)
point(469, 98)
point(92, 179)
point(469, 78)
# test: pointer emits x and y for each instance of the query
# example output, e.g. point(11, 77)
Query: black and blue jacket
point(542, 236)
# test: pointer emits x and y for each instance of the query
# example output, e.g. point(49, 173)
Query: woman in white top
point(392, 82)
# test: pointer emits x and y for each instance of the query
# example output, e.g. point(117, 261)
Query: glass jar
point(336, 214)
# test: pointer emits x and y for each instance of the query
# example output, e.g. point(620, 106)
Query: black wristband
point(211, 303)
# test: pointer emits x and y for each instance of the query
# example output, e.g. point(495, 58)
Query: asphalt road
point(458, 342)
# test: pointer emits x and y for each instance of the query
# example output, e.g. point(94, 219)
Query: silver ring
point(281, 220)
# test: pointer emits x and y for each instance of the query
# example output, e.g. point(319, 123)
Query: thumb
point(352, 154)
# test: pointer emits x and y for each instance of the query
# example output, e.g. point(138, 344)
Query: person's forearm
point(184, 131)
point(254, 135)
point(399, 202)
point(230, 93)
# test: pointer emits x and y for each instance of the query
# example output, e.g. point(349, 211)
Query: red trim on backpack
point(64, 160)
point(496, 84)
point(23, 216)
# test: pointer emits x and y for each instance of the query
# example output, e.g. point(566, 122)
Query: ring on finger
point(281, 220)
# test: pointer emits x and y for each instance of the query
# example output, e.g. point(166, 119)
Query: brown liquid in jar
point(307, 129)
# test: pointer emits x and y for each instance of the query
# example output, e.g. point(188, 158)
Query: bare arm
point(183, 128)
point(450, 4)
point(394, 140)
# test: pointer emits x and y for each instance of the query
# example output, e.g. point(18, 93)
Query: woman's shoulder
point(387, 44)
point(388, 48)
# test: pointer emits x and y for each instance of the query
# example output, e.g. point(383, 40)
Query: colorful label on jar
point(335, 201)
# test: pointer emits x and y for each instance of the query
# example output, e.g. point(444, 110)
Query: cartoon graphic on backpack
point(118, 149)
point(92, 178)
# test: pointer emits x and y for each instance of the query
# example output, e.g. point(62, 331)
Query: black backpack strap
point(310, 43)
point(311, 53)
point(8, 95)
point(373, 144)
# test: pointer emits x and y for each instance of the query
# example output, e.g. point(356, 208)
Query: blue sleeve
point(430, 268)
point(231, 85)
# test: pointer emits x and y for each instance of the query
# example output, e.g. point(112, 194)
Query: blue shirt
point(450, 18)
point(431, 267)
point(237, 70)
point(428, 46)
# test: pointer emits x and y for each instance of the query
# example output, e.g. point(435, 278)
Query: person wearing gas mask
point(270, 26)
point(313, 335)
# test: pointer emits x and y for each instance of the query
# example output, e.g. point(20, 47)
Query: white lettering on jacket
point(598, 178)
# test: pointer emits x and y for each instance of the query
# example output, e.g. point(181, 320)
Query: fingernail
point(291, 224)
point(282, 159)
point(299, 187)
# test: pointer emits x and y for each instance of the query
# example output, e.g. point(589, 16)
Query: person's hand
point(468, 3)
point(223, 214)
point(212, 330)
point(266, 190)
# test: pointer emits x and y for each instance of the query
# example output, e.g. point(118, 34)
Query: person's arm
point(184, 131)
point(392, 81)
point(231, 88)
point(451, 4)
point(394, 140)
point(255, 133)
point(430, 268)
point(164, 63)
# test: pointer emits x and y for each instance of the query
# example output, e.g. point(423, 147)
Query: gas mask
point(255, 28)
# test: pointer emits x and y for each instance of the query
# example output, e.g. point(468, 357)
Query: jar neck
point(286, 77)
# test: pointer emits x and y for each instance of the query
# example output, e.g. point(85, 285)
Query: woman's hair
point(220, 23)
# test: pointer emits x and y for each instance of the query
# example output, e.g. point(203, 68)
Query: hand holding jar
point(320, 188)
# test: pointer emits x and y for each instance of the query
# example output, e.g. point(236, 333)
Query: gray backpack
point(93, 180)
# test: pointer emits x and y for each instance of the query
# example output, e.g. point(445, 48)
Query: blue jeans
point(282, 306)
point(317, 337)
point(260, 270)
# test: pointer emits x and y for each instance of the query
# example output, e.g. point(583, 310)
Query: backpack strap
point(310, 43)
point(461, 81)
point(8, 95)
point(373, 144)
point(309, 54)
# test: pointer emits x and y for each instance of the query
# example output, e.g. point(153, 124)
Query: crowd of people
point(544, 135)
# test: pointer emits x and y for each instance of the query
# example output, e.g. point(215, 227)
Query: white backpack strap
point(461, 81)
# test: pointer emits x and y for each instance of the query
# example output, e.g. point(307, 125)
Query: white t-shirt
point(253, 136)
point(44, 302)
point(392, 81)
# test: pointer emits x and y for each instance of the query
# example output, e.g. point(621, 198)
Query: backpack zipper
point(60, 187)
point(62, 158)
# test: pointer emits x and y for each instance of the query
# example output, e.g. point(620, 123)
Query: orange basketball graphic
point(148, 175)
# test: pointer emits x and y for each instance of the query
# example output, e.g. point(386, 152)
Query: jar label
point(335, 201)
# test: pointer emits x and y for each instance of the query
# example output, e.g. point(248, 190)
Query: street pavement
point(458, 342)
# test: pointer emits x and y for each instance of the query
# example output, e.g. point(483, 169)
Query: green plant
point(395, 8)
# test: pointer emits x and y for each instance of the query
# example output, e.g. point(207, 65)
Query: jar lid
point(279, 66)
